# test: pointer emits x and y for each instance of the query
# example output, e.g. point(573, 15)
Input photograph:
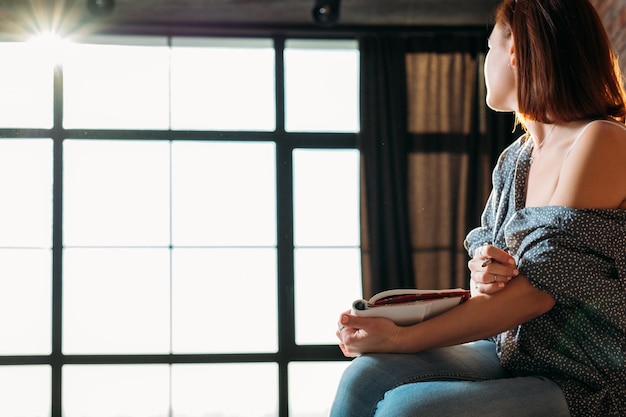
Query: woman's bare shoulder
point(594, 172)
point(604, 128)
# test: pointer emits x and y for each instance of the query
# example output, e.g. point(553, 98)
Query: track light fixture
point(326, 12)
point(100, 7)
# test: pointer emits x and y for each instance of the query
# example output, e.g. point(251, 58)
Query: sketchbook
point(409, 306)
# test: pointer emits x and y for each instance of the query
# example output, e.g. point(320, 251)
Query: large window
point(180, 226)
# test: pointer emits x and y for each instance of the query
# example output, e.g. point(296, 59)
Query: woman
point(544, 333)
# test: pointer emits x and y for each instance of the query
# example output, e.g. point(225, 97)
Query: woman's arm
point(480, 317)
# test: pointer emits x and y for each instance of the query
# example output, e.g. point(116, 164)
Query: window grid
point(286, 143)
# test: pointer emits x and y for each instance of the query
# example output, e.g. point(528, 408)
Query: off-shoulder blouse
point(579, 257)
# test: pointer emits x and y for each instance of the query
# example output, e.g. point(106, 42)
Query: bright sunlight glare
point(49, 45)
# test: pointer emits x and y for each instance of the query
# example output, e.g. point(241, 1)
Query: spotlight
point(326, 12)
point(100, 7)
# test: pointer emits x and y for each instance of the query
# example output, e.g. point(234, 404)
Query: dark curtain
point(384, 145)
point(428, 146)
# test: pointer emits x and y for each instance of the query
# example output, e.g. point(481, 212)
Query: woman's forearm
point(478, 318)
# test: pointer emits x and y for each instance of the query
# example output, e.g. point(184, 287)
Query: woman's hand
point(491, 270)
point(358, 335)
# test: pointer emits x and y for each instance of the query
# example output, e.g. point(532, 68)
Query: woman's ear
point(512, 55)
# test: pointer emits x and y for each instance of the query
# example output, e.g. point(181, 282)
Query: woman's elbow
point(544, 302)
point(536, 301)
point(540, 301)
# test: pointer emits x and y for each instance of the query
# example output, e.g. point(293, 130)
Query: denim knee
point(362, 386)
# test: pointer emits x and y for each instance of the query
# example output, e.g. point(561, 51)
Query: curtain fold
point(383, 142)
point(445, 124)
point(428, 145)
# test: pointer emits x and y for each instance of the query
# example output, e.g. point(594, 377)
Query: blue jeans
point(465, 380)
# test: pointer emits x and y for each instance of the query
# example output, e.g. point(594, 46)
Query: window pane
point(26, 82)
point(25, 302)
point(326, 197)
point(223, 193)
point(116, 193)
point(321, 86)
point(324, 376)
point(26, 189)
point(223, 84)
point(326, 283)
point(116, 390)
point(233, 390)
point(25, 391)
point(117, 86)
point(116, 301)
point(219, 292)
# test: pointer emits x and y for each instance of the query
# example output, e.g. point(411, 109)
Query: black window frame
point(285, 142)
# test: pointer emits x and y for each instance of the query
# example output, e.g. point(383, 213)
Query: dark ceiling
point(298, 12)
point(175, 15)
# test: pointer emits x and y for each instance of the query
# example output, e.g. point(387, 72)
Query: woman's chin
point(497, 106)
